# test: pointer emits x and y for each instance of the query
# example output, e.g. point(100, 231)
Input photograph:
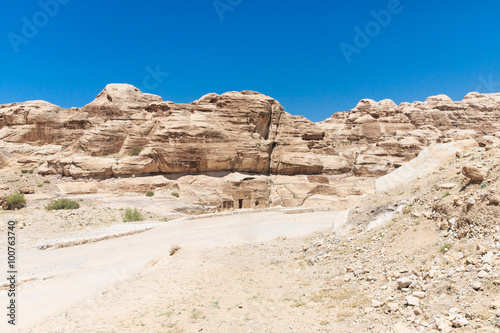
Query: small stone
point(473, 173)
point(460, 321)
point(442, 326)
point(370, 278)
point(470, 261)
point(447, 186)
point(412, 301)
point(482, 274)
point(494, 200)
point(26, 190)
point(393, 307)
point(470, 202)
point(487, 257)
point(419, 294)
point(404, 283)
point(376, 304)
point(417, 311)
point(477, 285)
point(481, 249)
point(444, 225)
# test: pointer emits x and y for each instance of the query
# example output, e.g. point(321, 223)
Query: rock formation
point(378, 137)
point(282, 159)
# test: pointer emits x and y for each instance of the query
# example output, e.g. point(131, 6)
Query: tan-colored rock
point(393, 307)
point(402, 328)
point(243, 133)
point(26, 190)
point(494, 200)
point(135, 165)
point(412, 301)
point(404, 283)
point(138, 184)
point(405, 130)
point(77, 188)
point(41, 123)
point(473, 173)
point(477, 285)
point(86, 167)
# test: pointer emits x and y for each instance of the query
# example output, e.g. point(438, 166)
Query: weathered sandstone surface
point(377, 137)
point(276, 158)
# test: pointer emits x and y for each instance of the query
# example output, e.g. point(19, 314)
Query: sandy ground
point(54, 280)
point(273, 271)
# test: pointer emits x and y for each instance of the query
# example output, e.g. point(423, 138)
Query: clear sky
point(314, 57)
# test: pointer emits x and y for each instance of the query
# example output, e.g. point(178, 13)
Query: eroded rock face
point(40, 123)
point(236, 131)
point(285, 160)
point(377, 137)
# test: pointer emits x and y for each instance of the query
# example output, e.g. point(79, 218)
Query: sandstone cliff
point(237, 149)
point(236, 131)
point(377, 137)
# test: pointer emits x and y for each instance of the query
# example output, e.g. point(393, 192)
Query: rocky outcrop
point(377, 137)
point(235, 132)
point(262, 155)
point(40, 123)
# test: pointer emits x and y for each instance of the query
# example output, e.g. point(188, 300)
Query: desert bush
point(62, 204)
point(132, 215)
point(135, 151)
point(175, 194)
point(27, 171)
point(150, 194)
point(445, 247)
point(15, 201)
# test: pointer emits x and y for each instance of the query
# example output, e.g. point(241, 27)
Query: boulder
point(473, 173)
point(26, 190)
point(77, 188)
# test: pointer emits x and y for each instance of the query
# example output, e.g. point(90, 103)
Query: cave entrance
point(240, 203)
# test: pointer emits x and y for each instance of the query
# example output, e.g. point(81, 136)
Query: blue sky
point(290, 50)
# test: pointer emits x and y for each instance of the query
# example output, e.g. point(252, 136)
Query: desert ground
point(390, 264)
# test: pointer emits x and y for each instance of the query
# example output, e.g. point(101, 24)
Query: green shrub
point(135, 151)
point(27, 171)
point(150, 194)
point(132, 215)
point(62, 204)
point(175, 194)
point(445, 247)
point(46, 181)
point(15, 201)
point(39, 185)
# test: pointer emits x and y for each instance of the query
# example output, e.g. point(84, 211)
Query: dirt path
point(54, 280)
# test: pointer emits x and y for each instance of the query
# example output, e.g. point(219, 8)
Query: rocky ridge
point(277, 158)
